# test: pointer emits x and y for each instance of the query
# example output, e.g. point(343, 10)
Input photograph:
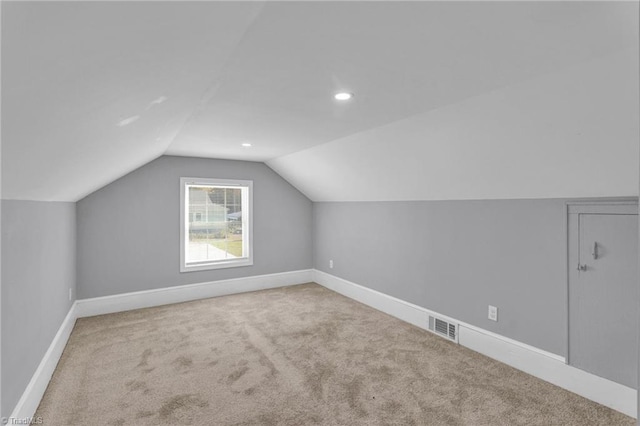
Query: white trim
point(491, 334)
point(406, 311)
point(537, 362)
point(34, 391)
point(186, 293)
point(590, 386)
point(30, 399)
point(218, 264)
point(398, 308)
point(247, 224)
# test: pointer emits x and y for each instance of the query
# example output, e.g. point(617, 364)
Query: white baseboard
point(186, 293)
point(34, 391)
point(611, 394)
point(537, 362)
point(30, 399)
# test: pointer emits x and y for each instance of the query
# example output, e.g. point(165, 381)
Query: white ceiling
point(71, 71)
point(204, 77)
point(573, 133)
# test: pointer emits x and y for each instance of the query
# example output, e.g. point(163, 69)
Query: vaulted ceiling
point(453, 100)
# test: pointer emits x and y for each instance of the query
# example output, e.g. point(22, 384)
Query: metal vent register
point(443, 328)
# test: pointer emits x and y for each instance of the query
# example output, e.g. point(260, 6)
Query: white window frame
point(247, 224)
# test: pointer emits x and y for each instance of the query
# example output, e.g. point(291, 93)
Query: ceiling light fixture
point(343, 96)
point(246, 145)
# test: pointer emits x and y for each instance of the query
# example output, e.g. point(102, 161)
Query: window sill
point(216, 265)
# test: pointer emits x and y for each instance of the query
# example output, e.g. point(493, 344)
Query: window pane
point(215, 224)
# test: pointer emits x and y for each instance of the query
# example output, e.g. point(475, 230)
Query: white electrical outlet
point(493, 313)
point(70, 294)
point(331, 264)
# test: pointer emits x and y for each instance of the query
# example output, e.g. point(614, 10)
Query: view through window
point(216, 223)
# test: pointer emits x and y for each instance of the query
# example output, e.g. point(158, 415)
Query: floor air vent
point(443, 328)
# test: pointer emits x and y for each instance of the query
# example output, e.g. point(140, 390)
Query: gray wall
point(38, 268)
point(128, 231)
point(456, 258)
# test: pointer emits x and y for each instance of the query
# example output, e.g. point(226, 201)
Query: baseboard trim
point(611, 394)
point(537, 362)
point(30, 399)
point(189, 292)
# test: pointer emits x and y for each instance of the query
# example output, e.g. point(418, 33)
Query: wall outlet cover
point(493, 313)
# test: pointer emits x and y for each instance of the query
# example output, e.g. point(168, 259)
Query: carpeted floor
point(300, 355)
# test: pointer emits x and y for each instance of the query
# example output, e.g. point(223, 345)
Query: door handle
point(581, 267)
point(594, 253)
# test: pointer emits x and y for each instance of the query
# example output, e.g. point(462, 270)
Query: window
point(215, 223)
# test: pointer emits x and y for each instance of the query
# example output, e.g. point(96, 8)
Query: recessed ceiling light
point(246, 145)
point(343, 96)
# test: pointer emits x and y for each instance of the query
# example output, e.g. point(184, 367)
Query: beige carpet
point(301, 355)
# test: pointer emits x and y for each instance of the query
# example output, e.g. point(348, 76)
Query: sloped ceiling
point(93, 90)
point(453, 100)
